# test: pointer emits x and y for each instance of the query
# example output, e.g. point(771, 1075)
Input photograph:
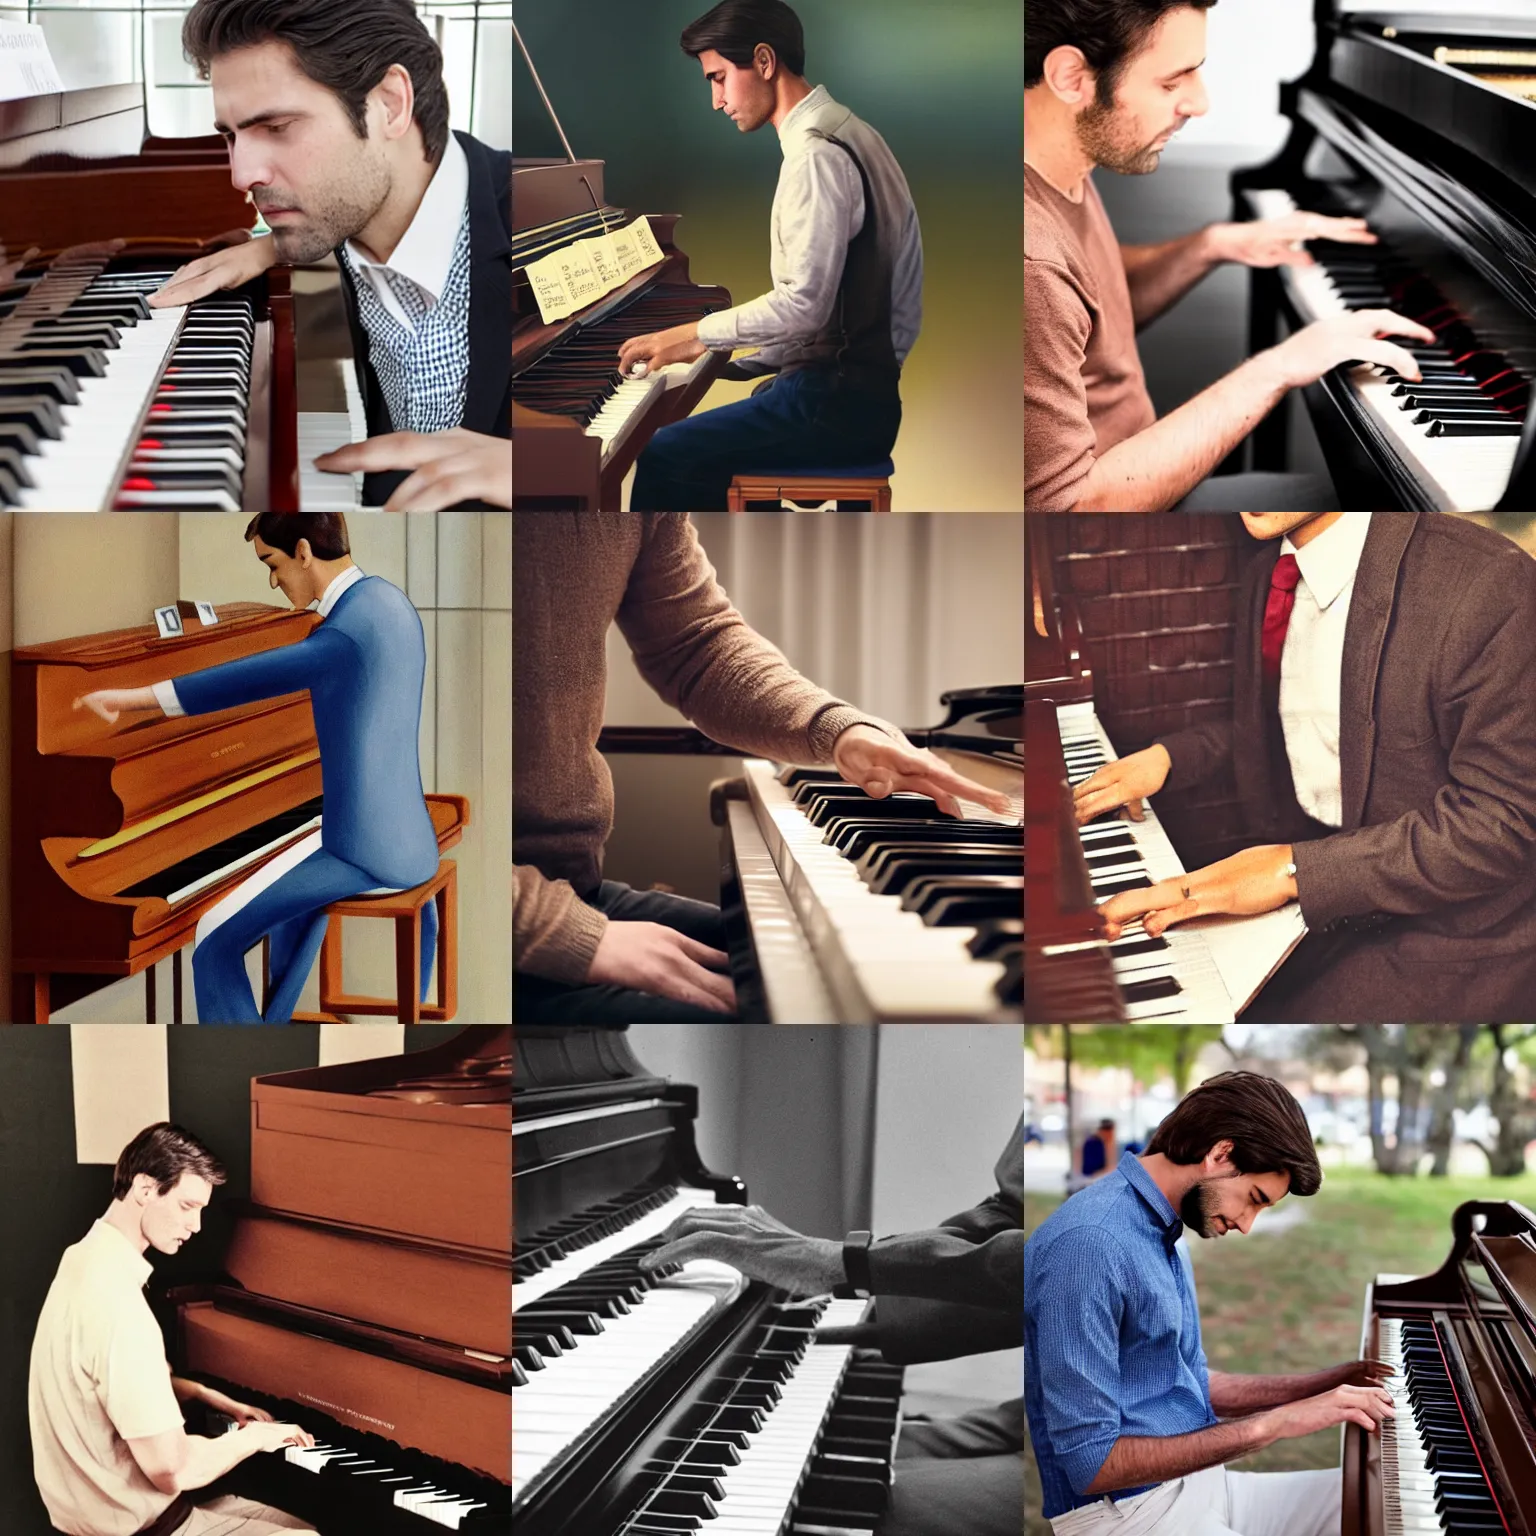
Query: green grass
point(1292, 1302)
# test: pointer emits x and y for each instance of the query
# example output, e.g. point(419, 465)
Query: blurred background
point(941, 84)
point(1409, 1121)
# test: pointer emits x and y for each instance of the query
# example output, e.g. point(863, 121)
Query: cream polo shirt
point(99, 1378)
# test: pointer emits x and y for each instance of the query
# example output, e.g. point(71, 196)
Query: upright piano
point(844, 909)
point(1460, 1452)
point(687, 1398)
point(1417, 115)
point(122, 836)
point(366, 1292)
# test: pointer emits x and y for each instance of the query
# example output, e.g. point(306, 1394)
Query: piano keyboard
point(1458, 430)
point(1433, 1478)
point(591, 1325)
point(324, 432)
point(1173, 977)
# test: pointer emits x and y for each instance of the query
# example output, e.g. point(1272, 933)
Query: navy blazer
point(488, 395)
point(364, 666)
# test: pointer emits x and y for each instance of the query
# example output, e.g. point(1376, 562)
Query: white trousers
point(233, 1516)
point(1217, 1502)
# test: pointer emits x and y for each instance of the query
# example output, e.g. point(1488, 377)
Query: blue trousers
point(809, 419)
point(291, 913)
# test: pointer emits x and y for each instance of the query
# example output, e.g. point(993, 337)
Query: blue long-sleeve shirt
point(1111, 1333)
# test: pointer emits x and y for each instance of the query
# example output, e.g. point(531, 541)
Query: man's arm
point(175, 1461)
point(1235, 1395)
point(1160, 275)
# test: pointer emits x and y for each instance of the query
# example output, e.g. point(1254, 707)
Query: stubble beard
point(334, 213)
point(1101, 139)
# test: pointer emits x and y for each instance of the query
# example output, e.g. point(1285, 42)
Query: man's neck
point(1308, 531)
point(789, 92)
point(121, 1215)
point(326, 571)
point(1051, 148)
point(1173, 1179)
point(379, 237)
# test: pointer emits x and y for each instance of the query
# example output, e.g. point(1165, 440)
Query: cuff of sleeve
point(567, 957)
point(718, 331)
point(165, 697)
point(1082, 1462)
point(1179, 775)
point(1322, 882)
point(831, 723)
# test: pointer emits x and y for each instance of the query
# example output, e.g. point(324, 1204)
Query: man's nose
point(1199, 102)
point(1244, 1223)
point(272, 581)
point(248, 168)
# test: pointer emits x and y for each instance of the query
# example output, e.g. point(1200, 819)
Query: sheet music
point(1249, 950)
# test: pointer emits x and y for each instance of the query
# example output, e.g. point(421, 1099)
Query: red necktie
point(1277, 615)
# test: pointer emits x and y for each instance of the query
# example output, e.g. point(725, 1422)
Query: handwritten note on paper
point(572, 278)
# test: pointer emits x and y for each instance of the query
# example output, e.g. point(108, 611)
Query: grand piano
point(106, 403)
point(577, 425)
point(365, 1292)
point(844, 909)
point(685, 1399)
point(1458, 1454)
point(1417, 115)
point(123, 836)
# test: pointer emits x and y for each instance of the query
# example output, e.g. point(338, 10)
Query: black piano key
point(1475, 429)
point(1149, 990)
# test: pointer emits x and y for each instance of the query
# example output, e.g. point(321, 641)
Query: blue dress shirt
point(1111, 1332)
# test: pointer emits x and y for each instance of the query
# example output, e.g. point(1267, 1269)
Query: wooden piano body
point(369, 1291)
point(78, 169)
point(556, 465)
point(1481, 1305)
point(98, 811)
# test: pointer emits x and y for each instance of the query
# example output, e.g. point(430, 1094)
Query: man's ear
point(764, 61)
point(1069, 75)
point(303, 553)
point(1219, 1153)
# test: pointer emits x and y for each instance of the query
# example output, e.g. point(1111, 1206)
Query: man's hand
point(241, 1413)
point(1127, 781)
point(452, 466)
point(1365, 1406)
point(1278, 242)
point(273, 1437)
point(1303, 358)
point(882, 765)
point(1364, 1373)
point(109, 703)
point(1249, 882)
point(749, 1239)
point(650, 957)
point(681, 344)
point(242, 258)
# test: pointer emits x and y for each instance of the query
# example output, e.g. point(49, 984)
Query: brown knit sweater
point(573, 573)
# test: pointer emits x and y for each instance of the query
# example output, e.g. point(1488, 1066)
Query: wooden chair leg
point(149, 995)
point(408, 968)
point(448, 943)
point(330, 964)
point(41, 1002)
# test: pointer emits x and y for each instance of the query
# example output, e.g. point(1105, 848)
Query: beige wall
point(82, 574)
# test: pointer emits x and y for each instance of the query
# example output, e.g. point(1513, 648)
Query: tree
point(1516, 1116)
point(1149, 1052)
point(1442, 1121)
point(1405, 1055)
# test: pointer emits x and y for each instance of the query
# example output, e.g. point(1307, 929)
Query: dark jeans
point(962, 1474)
point(809, 419)
point(1260, 491)
point(537, 1001)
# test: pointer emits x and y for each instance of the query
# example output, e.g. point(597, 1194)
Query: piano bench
point(404, 910)
point(856, 488)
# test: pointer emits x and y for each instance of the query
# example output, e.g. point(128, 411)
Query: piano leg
point(40, 999)
point(149, 994)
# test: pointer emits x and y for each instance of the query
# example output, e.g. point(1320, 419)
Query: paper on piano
point(26, 66)
point(1249, 950)
point(579, 274)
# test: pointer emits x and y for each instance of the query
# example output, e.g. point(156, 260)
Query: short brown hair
point(1260, 1117)
point(735, 27)
point(164, 1152)
point(326, 532)
point(1108, 32)
point(345, 45)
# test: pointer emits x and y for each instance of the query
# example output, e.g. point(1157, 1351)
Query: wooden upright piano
point(123, 836)
point(1460, 1453)
point(368, 1292)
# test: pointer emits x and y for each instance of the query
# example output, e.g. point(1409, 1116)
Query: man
point(1108, 83)
point(363, 665)
point(589, 950)
point(1125, 1416)
point(940, 1294)
point(1099, 1150)
point(109, 1449)
point(1382, 732)
point(847, 267)
point(336, 118)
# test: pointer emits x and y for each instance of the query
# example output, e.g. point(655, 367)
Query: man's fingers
point(1154, 923)
point(390, 450)
point(1386, 355)
point(1129, 904)
point(1387, 322)
point(703, 953)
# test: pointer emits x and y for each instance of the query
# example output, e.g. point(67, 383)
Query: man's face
point(1225, 1200)
point(1275, 525)
point(168, 1220)
point(1158, 91)
point(289, 572)
point(303, 155)
point(738, 91)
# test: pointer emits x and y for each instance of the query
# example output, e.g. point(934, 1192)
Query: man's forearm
point(186, 1391)
point(1235, 1395)
point(1156, 469)
point(1160, 275)
point(1135, 1460)
point(208, 1460)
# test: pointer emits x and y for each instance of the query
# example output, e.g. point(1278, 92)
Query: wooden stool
point(404, 908)
point(856, 488)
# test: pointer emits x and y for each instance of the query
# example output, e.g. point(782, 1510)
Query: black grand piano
point(680, 1399)
point(1419, 116)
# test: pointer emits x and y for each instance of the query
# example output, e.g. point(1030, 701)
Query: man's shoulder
point(1451, 553)
point(1092, 1220)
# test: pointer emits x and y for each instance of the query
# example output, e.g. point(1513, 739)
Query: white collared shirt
point(98, 1378)
point(1312, 664)
point(425, 252)
point(165, 692)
